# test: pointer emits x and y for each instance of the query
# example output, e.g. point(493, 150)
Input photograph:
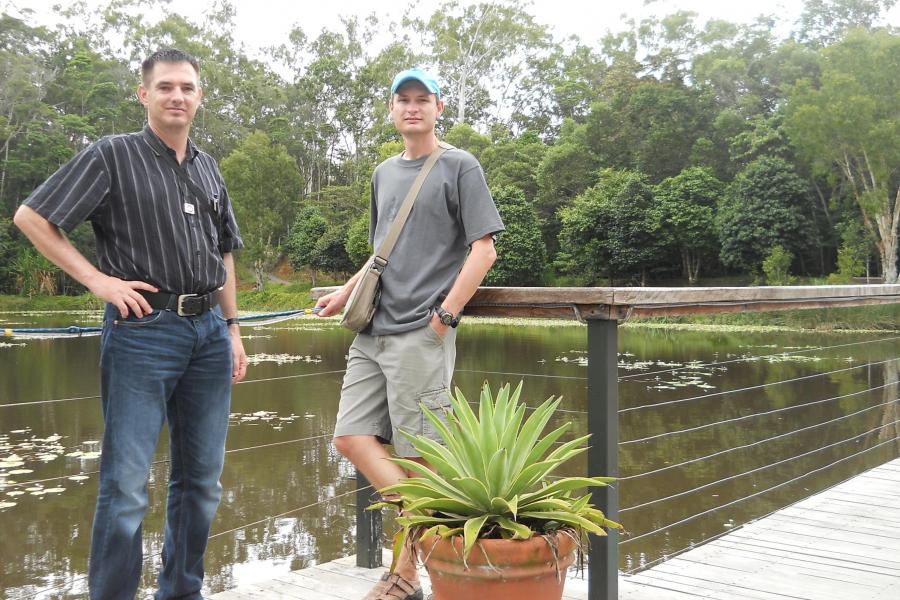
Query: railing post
point(603, 460)
point(368, 526)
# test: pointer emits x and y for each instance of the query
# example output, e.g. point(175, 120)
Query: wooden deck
point(841, 544)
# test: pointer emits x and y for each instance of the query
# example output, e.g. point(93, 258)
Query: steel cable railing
point(756, 470)
point(755, 494)
point(750, 416)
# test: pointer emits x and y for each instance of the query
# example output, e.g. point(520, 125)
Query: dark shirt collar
point(160, 146)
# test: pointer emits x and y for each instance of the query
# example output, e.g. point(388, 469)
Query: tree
point(480, 47)
point(651, 127)
point(850, 122)
point(612, 229)
point(357, 243)
point(766, 205)
point(264, 186)
point(823, 22)
point(307, 229)
point(687, 205)
point(330, 253)
point(521, 254)
point(511, 162)
point(464, 137)
point(777, 266)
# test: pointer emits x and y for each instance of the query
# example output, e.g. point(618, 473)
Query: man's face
point(172, 94)
point(414, 109)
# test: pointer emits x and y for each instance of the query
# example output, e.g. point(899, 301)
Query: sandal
point(394, 587)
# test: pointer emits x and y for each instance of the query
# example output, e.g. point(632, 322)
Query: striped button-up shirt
point(148, 223)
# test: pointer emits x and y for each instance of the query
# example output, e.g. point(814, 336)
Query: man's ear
point(142, 94)
point(440, 107)
point(199, 95)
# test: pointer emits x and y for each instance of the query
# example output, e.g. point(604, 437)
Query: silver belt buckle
point(181, 300)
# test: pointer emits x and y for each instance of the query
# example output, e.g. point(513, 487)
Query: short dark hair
point(170, 55)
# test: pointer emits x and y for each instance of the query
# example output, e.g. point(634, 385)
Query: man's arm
point(478, 263)
point(228, 302)
point(50, 242)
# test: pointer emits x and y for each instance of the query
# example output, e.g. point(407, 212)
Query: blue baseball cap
point(416, 74)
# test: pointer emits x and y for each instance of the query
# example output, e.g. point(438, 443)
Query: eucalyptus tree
point(849, 123)
point(482, 50)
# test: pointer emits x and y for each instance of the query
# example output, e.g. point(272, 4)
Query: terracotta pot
point(512, 569)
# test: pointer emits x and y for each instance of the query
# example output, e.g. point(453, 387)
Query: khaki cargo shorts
point(387, 377)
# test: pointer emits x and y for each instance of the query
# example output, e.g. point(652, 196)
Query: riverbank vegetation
point(669, 149)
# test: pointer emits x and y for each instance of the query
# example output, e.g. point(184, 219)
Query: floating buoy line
point(257, 320)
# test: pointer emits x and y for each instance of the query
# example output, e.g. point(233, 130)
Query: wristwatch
point(447, 318)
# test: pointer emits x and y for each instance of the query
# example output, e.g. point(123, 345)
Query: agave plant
point(491, 479)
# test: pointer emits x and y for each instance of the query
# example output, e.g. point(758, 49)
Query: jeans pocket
point(133, 321)
point(437, 402)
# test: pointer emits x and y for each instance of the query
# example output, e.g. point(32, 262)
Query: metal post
point(368, 526)
point(603, 425)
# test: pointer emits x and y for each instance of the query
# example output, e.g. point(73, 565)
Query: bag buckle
point(191, 305)
point(378, 264)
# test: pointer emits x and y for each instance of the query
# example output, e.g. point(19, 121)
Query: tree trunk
point(887, 248)
point(461, 92)
point(259, 274)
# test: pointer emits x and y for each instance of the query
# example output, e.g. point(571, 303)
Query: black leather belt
point(186, 305)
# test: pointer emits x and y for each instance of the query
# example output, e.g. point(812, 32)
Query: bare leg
point(370, 457)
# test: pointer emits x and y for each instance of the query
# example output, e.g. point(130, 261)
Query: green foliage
point(464, 137)
point(357, 244)
point(8, 250)
point(651, 127)
point(330, 253)
point(521, 254)
point(853, 254)
point(687, 204)
point(34, 273)
point(511, 161)
point(492, 476)
point(657, 97)
point(765, 206)
point(777, 266)
point(846, 125)
point(610, 230)
point(308, 227)
point(264, 186)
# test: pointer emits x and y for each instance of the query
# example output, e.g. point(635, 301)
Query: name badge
point(189, 208)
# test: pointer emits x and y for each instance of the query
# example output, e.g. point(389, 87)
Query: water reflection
point(288, 500)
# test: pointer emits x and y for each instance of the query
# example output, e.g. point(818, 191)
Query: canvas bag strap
point(387, 246)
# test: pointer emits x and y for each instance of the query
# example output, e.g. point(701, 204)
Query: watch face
point(446, 318)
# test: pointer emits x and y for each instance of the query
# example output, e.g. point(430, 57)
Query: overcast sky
point(263, 23)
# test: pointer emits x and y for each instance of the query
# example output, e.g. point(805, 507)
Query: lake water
point(288, 499)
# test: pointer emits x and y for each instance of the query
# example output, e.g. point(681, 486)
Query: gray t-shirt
point(453, 209)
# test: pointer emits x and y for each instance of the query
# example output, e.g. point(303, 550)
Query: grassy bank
point(296, 295)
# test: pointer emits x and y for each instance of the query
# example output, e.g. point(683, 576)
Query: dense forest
point(672, 150)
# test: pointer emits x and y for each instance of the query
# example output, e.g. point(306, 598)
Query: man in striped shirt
point(171, 346)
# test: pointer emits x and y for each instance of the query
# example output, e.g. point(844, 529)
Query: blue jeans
point(157, 368)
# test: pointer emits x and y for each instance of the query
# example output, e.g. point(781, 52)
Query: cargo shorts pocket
point(438, 403)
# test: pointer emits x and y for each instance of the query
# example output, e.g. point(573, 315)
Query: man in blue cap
point(406, 356)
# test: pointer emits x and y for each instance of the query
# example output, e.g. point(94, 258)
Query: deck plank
point(840, 544)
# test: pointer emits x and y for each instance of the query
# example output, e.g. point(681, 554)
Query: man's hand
point(238, 356)
point(439, 328)
point(122, 294)
point(331, 304)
